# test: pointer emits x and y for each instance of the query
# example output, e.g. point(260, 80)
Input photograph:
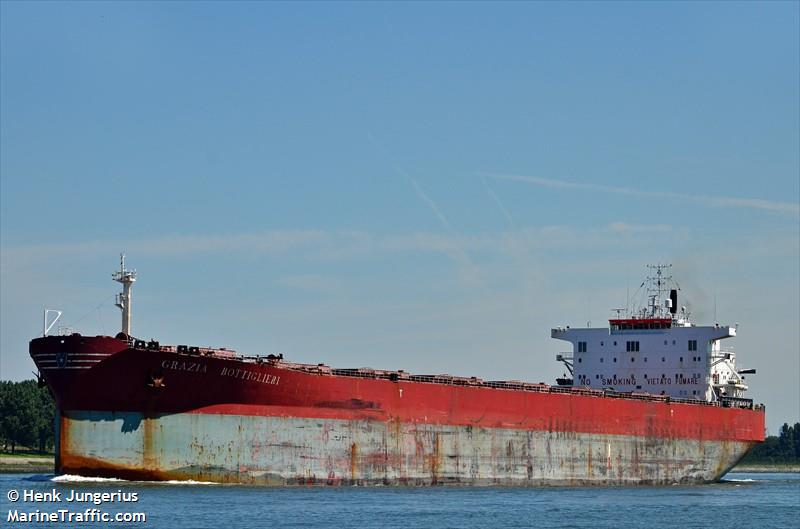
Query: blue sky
point(421, 186)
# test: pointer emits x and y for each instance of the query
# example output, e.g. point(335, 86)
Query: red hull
point(106, 374)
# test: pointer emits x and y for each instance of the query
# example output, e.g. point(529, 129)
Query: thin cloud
point(750, 203)
point(623, 227)
point(276, 241)
point(321, 244)
point(313, 283)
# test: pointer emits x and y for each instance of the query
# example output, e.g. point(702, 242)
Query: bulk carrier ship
point(652, 399)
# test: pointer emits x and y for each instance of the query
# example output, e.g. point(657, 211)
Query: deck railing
point(378, 374)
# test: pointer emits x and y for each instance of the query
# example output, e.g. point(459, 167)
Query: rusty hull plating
point(290, 451)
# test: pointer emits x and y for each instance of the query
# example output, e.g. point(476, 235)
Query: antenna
point(123, 300)
point(588, 311)
point(659, 297)
point(715, 306)
point(627, 295)
point(47, 326)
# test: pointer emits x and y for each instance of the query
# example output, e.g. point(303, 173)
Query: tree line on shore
point(27, 415)
point(781, 448)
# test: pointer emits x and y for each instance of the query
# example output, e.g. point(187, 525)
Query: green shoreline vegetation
point(780, 451)
point(27, 415)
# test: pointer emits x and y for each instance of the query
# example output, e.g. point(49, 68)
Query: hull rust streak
point(285, 451)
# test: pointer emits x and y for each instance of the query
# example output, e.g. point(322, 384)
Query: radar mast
point(124, 300)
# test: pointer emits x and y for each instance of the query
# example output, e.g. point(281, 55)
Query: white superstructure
point(655, 349)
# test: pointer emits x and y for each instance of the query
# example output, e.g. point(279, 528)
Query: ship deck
point(444, 379)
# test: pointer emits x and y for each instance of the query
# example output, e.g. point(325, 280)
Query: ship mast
point(661, 297)
point(123, 300)
point(656, 288)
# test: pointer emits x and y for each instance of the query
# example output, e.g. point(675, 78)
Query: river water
point(740, 501)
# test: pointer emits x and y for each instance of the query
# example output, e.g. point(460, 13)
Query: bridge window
point(581, 347)
point(693, 345)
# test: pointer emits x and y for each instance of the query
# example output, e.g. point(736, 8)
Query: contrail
point(752, 203)
point(417, 189)
point(431, 204)
point(468, 269)
point(500, 205)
